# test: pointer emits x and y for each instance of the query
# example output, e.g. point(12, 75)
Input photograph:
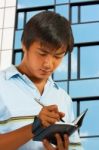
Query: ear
point(24, 48)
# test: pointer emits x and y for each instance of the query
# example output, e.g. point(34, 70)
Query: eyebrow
point(46, 51)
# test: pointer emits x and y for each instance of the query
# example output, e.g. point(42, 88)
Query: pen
point(38, 101)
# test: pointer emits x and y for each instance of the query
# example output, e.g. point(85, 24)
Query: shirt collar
point(11, 72)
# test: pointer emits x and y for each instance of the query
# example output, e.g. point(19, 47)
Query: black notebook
point(49, 132)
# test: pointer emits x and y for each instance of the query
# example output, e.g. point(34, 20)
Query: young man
point(46, 38)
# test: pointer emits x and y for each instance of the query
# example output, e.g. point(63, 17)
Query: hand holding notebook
point(49, 132)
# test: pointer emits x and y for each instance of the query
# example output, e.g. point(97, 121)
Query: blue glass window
point(86, 32)
point(20, 21)
point(17, 44)
point(18, 58)
point(74, 15)
point(34, 3)
point(74, 63)
point(89, 61)
point(84, 88)
point(90, 13)
point(63, 10)
point(91, 123)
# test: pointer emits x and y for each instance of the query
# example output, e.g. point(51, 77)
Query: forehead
point(46, 47)
point(51, 48)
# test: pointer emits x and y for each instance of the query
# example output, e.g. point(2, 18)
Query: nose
point(48, 62)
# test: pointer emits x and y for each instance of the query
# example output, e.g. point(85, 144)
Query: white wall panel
point(9, 17)
point(7, 42)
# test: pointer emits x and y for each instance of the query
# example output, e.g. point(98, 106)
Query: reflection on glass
point(34, 3)
point(61, 72)
point(87, 15)
point(31, 14)
point(17, 44)
point(62, 85)
point(18, 57)
point(91, 122)
point(20, 21)
point(90, 143)
point(61, 1)
point(75, 109)
point(63, 10)
point(84, 88)
point(50, 9)
point(89, 61)
point(74, 63)
point(74, 14)
point(86, 32)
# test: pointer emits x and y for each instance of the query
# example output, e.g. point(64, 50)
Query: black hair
point(48, 28)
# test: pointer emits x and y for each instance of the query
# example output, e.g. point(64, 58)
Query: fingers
point(49, 115)
point(47, 145)
point(66, 141)
point(62, 144)
point(52, 108)
point(61, 114)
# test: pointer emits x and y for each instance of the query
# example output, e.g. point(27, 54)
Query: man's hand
point(61, 145)
point(49, 115)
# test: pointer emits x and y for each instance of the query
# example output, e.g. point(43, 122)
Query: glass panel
point(18, 35)
point(62, 70)
point(84, 88)
point(9, 17)
point(86, 32)
point(20, 21)
point(87, 15)
point(88, 128)
point(63, 10)
point(34, 3)
point(89, 62)
point(31, 14)
point(7, 42)
point(62, 85)
point(75, 109)
point(90, 143)
point(74, 14)
point(62, 1)
point(1, 17)
point(51, 9)
point(74, 63)
point(18, 57)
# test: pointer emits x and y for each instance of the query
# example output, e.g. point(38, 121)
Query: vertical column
point(7, 21)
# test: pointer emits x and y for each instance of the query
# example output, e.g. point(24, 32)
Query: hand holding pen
point(49, 114)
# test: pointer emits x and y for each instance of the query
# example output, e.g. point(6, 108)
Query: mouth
point(46, 71)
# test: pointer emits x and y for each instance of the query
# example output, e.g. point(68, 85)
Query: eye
point(42, 53)
point(59, 56)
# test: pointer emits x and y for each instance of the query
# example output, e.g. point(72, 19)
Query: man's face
point(39, 62)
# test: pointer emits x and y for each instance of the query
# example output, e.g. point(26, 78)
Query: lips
point(46, 71)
